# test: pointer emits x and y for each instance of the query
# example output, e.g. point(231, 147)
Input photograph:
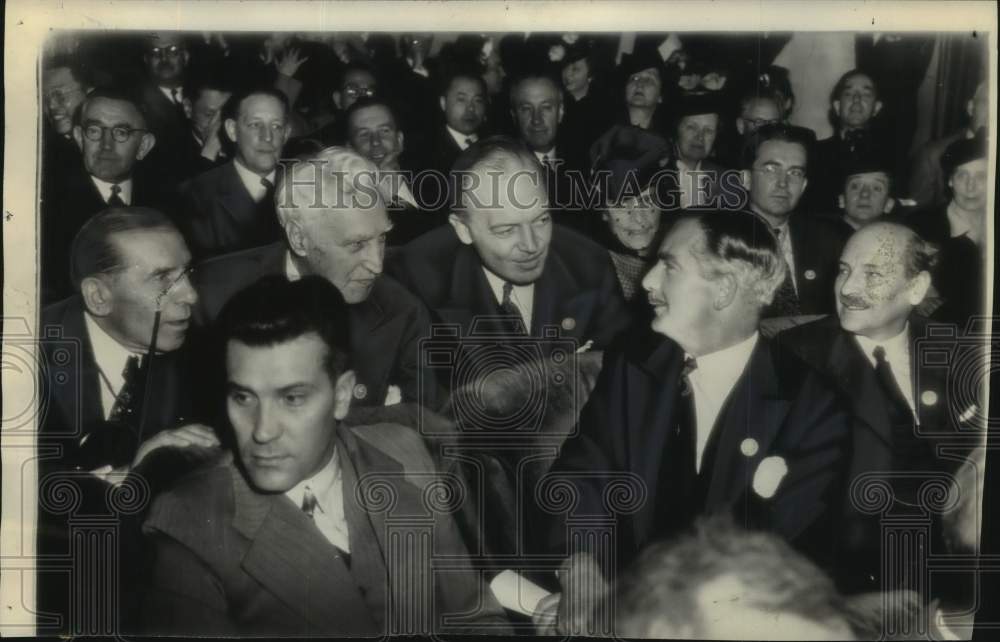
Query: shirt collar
point(320, 484)
point(251, 180)
point(110, 355)
point(723, 367)
point(167, 91)
point(897, 345)
point(104, 189)
point(684, 167)
point(541, 156)
point(460, 137)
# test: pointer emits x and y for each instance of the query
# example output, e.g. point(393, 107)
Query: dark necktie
point(510, 309)
point(685, 438)
point(786, 299)
point(128, 401)
point(115, 200)
point(309, 504)
point(469, 141)
point(174, 96)
point(268, 188)
point(907, 449)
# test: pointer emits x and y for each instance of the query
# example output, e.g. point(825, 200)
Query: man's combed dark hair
point(366, 102)
point(93, 251)
point(231, 111)
point(275, 310)
point(779, 132)
point(117, 92)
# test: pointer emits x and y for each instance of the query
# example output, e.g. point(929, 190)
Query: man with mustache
point(692, 418)
point(113, 137)
point(335, 226)
point(902, 405)
point(776, 173)
point(854, 105)
point(291, 535)
point(114, 400)
point(231, 207)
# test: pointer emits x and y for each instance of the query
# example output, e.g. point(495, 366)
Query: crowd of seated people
point(366, 321)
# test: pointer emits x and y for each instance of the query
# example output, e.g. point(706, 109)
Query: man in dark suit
point(201, 148)
point(855, 103)
point(708, 418)
point(115, 399)
point(903, 407)
point(536, 106)
point(292, 537)
point(502, 255)
point(775, 175)
point(64, 87)
point(373, 133)
point(231, 207)
point(166, 58)
point(112, 134)
point(335, 225)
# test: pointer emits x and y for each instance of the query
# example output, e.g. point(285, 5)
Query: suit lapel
point(470, 294)
point(82, 406)
point(856, 377)
point(291, 558)
point(756, 409)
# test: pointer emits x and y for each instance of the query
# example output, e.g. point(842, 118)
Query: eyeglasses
point(119, 133)
point(173, 51)
point(354, 91)
point(757, 123)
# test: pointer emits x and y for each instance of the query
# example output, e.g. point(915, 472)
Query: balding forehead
point(128, 109)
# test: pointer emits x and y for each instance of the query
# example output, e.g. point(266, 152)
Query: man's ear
point(740, 125)
point(145, 145)
point(399, 140)
point(562, 110)
point(96, 296)
point(186, 58)
point(840, 201)
point(918, 288)
point(969, 107)
point(836, 107)
point(188, 107)
point(889, 204)
point(461, 228)
point(725, 293)
point(343, 394)
point(298, 242)
point(746, 179)
point(337, 99)
point(442, 103)
point(78, 136)
point(878, 108)
point(230, 126)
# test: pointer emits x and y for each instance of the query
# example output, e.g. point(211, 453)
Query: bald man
point(901, 406)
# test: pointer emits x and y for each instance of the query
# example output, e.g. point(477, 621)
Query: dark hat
point(963, 151)
point(775, 78)
point(579, 50)
point(696, 103)
point(625, 159)
point(867, 163)
point(640, 60)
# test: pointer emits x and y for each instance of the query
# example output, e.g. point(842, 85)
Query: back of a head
point(689, 587)
point(93, 250)
point(274, 310)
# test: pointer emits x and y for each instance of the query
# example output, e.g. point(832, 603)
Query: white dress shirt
point(547, 157)
point(104, 188)
point(252, 182)
point(111, 358)
point(785, 240)
point(328, 487)
point(523, 296)
point(711, 383)
point(167, 92)
point(897, 354)
point(687, 180)
point(460, 138)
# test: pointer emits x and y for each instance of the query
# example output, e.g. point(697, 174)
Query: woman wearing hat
point(587, 112)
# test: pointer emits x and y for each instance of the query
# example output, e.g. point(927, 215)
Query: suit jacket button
point(568, 323)
point(749, 447)
point(810, 275)
point(360, 391)
point(928, 398)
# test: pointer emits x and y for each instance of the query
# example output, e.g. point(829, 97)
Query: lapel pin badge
point(810, 275)
point(928, 397)
point(360, 391)
point(770, 472)
point(568, 323)
point(749, 447)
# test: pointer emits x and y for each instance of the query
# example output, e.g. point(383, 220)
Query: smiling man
point(503, 255)
point(231, 207)
point(335, 226)
point(869, 351)
point(687, 416)
point(289, 537)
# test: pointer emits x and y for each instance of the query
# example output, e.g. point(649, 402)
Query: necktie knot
point(879, 354)
point(690, 365)
point(508, 288)
point(268, 185)
point(309, 502)
point(175, 96)
point(469, 141)
point(116, 200)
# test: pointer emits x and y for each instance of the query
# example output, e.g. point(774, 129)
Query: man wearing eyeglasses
point(775, 176)
point(113, 399)
point(231, 207)
point(112, 135)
